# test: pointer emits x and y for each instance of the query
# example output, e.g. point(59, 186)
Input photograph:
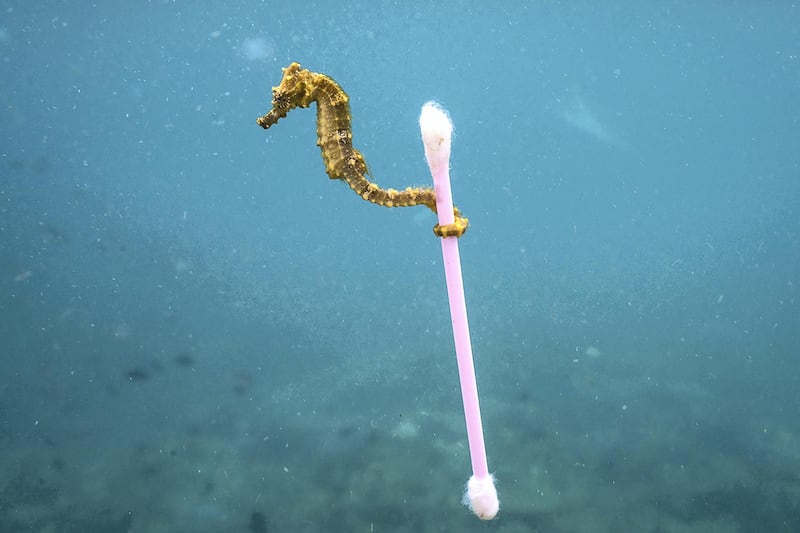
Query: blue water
point(201, 332)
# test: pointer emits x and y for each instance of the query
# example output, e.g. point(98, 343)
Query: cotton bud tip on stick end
point(481, 497)
point(437, 133)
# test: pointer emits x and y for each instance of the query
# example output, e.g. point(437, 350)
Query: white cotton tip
point(481, 497)
point(437, 131)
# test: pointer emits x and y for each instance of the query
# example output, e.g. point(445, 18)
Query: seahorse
point(299, 88)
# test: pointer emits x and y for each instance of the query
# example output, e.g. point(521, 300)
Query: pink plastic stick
point(481, 495)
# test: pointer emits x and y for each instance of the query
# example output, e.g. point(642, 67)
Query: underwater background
point(201, 332)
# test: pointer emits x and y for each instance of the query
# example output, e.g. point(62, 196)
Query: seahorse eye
point(280, 100)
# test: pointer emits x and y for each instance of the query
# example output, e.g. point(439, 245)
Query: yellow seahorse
point(299, 88)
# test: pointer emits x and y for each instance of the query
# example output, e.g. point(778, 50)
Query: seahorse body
point(299, 88)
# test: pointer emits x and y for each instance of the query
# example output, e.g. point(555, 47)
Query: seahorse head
point(294, 89)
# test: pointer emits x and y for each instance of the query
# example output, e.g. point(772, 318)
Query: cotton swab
point(437, 129)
